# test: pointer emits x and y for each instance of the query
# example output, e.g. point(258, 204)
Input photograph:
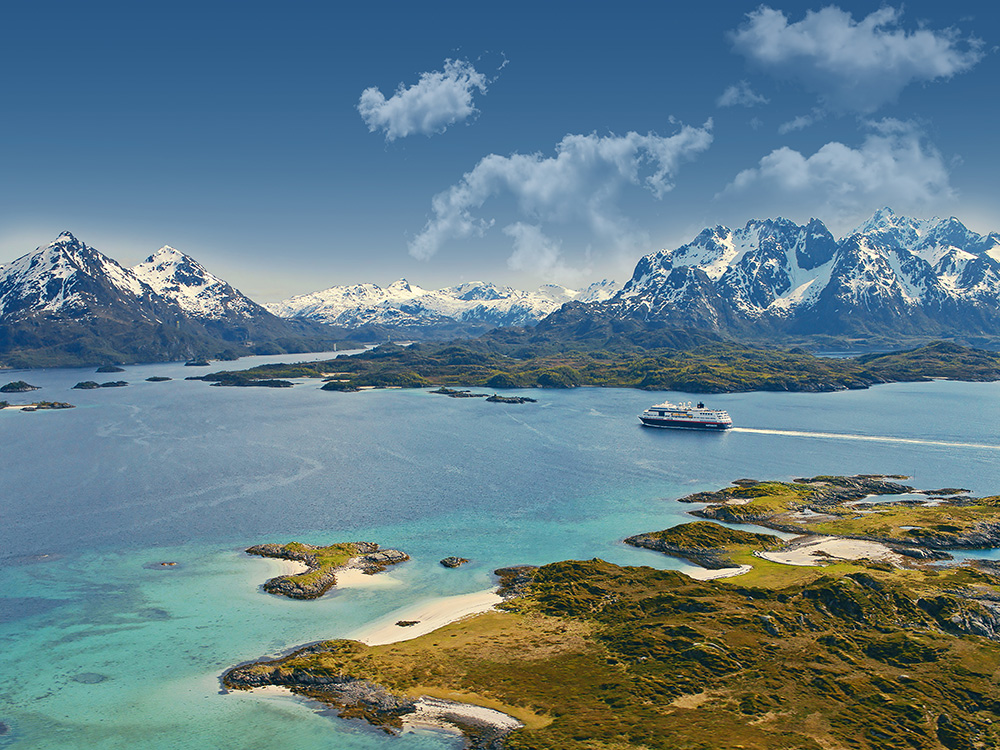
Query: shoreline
point(427, 617)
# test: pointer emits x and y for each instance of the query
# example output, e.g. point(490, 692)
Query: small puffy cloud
point(581, 185)
point(740, 95)
point(894, 166)
point(854, 66)
point(437, 100)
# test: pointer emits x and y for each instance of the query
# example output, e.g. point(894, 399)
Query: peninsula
point(841, 649)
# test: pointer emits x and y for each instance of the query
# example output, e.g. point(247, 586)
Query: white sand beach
point(428, 616)
point(438, 713)
point(704, 574)
point(814, 550)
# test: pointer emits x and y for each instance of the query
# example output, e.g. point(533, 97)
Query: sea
point(104, 646)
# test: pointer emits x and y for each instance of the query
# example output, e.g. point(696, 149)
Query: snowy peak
point(65, 276)
point(184, 281)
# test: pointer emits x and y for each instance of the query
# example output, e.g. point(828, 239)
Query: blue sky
point(293, 148)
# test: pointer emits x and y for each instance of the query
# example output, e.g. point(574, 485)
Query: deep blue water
point(104, 648)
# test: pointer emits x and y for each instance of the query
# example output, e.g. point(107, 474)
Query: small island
point(453, 393)
point(19, 386)
point(323, 564)
point(157, 379)
point(36, 406)
point(110, 368)
point(863, 645)
point(89, 385)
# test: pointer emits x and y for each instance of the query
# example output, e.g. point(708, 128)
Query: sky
point(291, 148)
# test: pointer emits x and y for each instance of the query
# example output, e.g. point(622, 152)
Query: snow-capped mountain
point(197, 292)
point(66, 303)
point(406, 305)
point(892, 273)
point(68, 277)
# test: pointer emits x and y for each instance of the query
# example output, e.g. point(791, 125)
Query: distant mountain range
point(405, 306)
point(775, 279)
point(892, 278)
point(68, 304)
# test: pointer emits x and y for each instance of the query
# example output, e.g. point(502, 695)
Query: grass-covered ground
point(603, 657)
point(856, 654)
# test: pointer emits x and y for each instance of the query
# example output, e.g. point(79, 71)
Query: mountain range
point(68, 304)
point(892, 278)
point(472, 306)
point(774, 279)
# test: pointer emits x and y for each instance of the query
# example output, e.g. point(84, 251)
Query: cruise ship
point(685, 415)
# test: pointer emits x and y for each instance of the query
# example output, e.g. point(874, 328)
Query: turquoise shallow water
point(103, 648)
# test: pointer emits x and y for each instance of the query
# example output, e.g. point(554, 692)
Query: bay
point(105, 647)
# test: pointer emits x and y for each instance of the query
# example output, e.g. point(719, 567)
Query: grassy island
point(845, 653)
point(323, 564)
point(709, 368)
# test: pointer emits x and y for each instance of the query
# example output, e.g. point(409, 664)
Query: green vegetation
point(322, 563)
point(707, 368)
point(601, 657)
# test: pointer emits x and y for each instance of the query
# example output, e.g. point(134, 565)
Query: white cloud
point(854, 66)
point(801, 122)
point(740, 94)
point(581, 185)
point(437, 100)
point(537, 254)
point(894, 166)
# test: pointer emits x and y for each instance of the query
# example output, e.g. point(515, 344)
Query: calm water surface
point(105, 648)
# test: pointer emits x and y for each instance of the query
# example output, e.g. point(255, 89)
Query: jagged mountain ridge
point(66, 303)
point(405, 305)
point(774, 278)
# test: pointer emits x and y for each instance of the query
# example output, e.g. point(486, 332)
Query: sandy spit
point(429, 616)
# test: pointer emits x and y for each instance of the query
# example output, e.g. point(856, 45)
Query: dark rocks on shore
point(407, 623)
point(110, 368)
point(453, 562)
point(18, 386)
point(713, 559)
point(515, 580)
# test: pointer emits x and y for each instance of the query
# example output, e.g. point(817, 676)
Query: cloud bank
point(894, 166)
point(439, 99)
point(854, 66)
point(582, 184)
